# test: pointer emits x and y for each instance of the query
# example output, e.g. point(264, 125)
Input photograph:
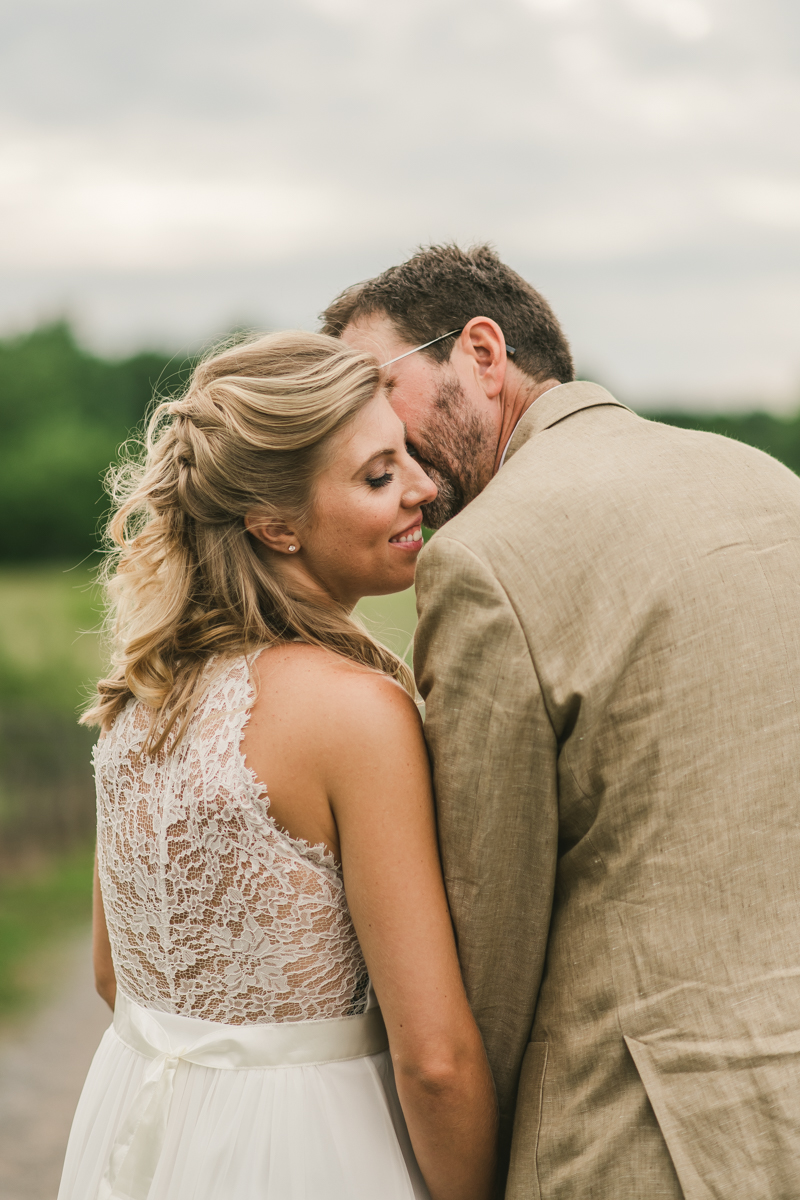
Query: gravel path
point(42, 1067)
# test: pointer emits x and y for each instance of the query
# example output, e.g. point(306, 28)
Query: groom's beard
point(457, 454)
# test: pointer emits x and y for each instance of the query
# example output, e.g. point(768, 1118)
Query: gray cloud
point(168, 168)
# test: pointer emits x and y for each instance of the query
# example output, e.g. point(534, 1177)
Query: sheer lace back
point(212, 910)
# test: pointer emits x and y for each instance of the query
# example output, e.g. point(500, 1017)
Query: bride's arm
point(105, 981)
point(380, 792)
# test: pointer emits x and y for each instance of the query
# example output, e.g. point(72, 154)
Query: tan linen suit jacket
point(609, 650)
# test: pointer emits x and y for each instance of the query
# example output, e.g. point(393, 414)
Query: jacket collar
point(554, 406)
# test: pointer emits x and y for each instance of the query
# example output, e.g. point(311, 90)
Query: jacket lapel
point(554, 406)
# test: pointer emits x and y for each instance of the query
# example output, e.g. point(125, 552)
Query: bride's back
point(213, 911)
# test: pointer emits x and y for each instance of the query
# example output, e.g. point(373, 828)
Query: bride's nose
point(420, 490)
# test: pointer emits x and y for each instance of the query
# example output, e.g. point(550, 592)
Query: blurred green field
point(39, 909)
point(49, 645)
point(391, 619)
point(49, 657)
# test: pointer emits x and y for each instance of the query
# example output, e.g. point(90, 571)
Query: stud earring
point(292, 549)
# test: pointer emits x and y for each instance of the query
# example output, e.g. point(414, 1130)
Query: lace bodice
point(212, 910)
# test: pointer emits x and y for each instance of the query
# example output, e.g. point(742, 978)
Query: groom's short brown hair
point(442, 288)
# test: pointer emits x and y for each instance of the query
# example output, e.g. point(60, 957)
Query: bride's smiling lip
point(409, 538)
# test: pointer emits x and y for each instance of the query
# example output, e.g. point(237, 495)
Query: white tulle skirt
point(155, 1123)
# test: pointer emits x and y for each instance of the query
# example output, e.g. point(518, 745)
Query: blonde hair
point(184, 579)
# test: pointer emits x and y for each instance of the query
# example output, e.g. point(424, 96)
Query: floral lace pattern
point(213, 911)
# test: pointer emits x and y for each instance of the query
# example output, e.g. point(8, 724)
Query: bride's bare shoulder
point(323, 686)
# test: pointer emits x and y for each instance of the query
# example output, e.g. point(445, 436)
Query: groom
point(609, 649)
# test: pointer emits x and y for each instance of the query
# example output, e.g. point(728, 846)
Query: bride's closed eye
point(380, 481)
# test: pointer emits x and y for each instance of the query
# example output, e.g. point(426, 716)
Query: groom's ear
point(482, 341)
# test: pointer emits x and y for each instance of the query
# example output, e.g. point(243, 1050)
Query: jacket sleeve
point(493, 754)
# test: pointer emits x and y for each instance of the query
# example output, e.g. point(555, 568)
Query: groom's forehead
point(409, 379)
point(374, 334)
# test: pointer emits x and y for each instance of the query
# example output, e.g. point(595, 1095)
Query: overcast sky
point(170, 168)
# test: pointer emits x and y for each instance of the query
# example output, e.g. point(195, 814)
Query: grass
point(49, 645)
point(392, 619)
point(37, 911)
point(48, 661)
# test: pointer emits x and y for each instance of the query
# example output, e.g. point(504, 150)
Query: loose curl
point(184, 579)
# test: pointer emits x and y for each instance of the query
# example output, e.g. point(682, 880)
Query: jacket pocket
point(523, 1176)
point(728, 1111)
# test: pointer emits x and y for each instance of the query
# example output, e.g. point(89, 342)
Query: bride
point(271, 927)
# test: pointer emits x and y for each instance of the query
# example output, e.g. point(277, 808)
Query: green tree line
point(64, 412)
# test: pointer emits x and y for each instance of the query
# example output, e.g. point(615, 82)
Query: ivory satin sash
point(168, 1039)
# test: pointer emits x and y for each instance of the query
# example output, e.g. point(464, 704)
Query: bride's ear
point(272, 532)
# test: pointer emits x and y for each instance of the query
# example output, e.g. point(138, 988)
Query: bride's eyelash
point(380, 480)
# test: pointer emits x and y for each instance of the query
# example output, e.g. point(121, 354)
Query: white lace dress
point(246, 1058)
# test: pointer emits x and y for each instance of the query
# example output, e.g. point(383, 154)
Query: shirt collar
point(514, 430)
